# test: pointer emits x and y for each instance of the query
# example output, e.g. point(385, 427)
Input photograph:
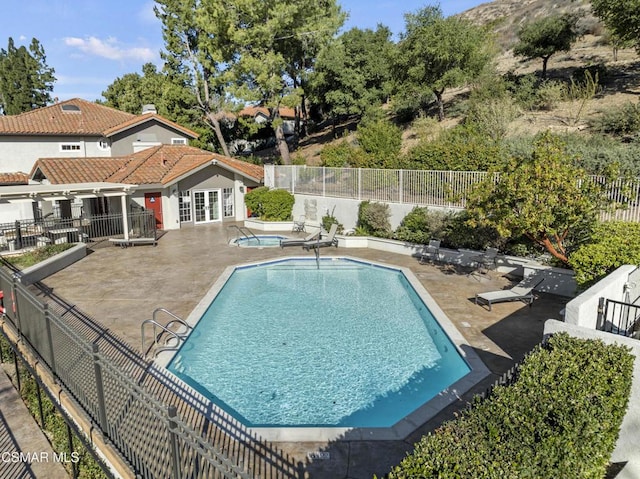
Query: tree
point(26, 81)
point(542, 197)
point(622, 17)
point(353, 73)
point(277, 44)
point(255, 51)
point(436, 53)
point(546, 36)
point(133, 90)
point(199, 53)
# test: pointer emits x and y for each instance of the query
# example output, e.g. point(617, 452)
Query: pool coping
point(399, 430)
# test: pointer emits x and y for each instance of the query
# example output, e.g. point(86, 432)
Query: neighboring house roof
point(78, 117)
point(163, 164)
point(253, 111)
point(18, 178)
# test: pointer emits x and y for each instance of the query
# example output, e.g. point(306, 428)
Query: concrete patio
point(120, 288)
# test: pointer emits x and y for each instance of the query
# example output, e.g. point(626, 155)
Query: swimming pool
point(259, 241)
point(345, 344)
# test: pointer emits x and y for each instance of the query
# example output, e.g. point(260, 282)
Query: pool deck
point(121, 287)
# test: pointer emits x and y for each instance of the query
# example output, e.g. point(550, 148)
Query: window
point(184, 202)
point(103, 144)
point(178, 141)
point(70, 147)
point(227, 202)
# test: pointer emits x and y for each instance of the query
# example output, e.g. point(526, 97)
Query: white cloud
point(110, 49)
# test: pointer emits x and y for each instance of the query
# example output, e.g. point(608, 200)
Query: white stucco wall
point(20, 154)
point(583, 310)
point(346, 210)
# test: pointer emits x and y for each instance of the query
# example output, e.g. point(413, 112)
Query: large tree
point(543, 197)
point(546, 36)
point(131, 91)
point(256, 51)
point(354, 73)
point(436, 53)
point(26, 81)
point(278, 41)
point(622, 17)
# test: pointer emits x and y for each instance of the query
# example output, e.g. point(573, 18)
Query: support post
point(125, 216)
point(102, 410)
point(172, 412)
point(47, 322)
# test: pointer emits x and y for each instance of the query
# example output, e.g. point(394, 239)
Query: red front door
point(153, 201)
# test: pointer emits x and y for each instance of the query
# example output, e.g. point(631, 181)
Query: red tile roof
point(254, 110)
point(17, 178)
point(157, 165)
point(77, 117)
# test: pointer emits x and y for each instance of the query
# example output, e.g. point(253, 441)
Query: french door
point(207, 206)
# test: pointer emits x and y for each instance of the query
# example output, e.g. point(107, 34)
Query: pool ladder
point(169, 338)
point(243, 232)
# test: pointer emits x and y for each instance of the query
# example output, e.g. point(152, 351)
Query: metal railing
point(40, 232)
point(419, 187)
point(156, 423)
point(242, 232)
point(618, 317)
point(177, 336)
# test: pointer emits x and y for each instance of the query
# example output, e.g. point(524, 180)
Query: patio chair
point(299, 241)
point(299, 225)
point(329, 240)
point(523, 291)
point(486, 261)
point(430, 251)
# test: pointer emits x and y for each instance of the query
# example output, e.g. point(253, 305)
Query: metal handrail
point(243, 231)
point(176, 319)
point(155, 336)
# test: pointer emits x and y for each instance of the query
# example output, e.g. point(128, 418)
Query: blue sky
point(90, 43)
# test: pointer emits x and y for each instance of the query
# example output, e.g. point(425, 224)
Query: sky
point(90, 43)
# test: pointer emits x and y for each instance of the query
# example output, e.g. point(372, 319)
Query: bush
point(420, 225)
point(343, 154)
point(373, 218)
point(329, 219)
point(550, 93)
point(382, 141)
point(36, 256)
point(460, 235)
point(620, 121)
point(270, 205)
point(559, 419)
point(612, 245)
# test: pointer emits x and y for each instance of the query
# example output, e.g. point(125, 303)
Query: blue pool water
point(344, 344)
point(259, 241)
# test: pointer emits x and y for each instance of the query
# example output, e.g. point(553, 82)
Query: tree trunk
point(548, 245)
point(282, 145)
point(440, 104)
point(544, 66)
point(215, 123)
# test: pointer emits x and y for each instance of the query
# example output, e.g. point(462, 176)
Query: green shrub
point(560, 419)
point(329, 219)
point(460, 235)
point(612, 245)
point(374, 219)
point(270, 205)
point(420, 225)
point(550, 93)
point(343, 154)
point(619, 121)
point(382, 141)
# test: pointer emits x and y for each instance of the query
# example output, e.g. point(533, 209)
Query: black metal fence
point(41, 232)
point(618, 317)
point(160, 426)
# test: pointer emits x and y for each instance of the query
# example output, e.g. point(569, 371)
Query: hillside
point(619, 84)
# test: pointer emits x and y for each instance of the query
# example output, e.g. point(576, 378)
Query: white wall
point(346, 210)
point(583, 310)
point(20, 154)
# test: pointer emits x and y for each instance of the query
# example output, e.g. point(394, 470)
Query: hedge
point(560, 419)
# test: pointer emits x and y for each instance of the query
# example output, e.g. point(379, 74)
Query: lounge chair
point(299, 241)
point(430, 251)
point(329, 240)
point(523, 291)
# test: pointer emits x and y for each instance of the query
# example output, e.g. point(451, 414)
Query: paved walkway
point(121, 287)
point(24, 449)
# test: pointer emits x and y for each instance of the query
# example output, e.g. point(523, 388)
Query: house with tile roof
point(181, 184)
point(78, 128)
